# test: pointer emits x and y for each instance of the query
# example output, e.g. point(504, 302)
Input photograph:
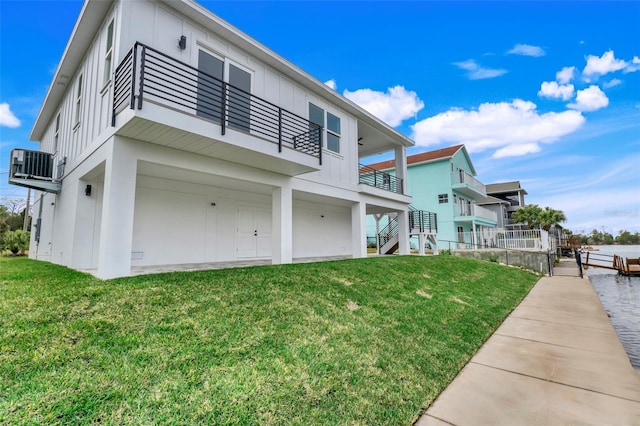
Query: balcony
point(33, 169)
point(466, 212)
point(382, 180)
point(467, 185)
point(165, 101)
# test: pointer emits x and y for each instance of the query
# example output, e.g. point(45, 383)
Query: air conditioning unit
point(32, 164)
point(32, 169)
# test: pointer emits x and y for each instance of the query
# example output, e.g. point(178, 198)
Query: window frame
point(328, 133)
point(56, 134)
point(443, 198)
point(78, 101)
point(108, 56)
point(226, 62)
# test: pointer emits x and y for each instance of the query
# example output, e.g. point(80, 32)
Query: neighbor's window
point(78, 100)
point(108, 55)
point(443, 198)
point(317, 116)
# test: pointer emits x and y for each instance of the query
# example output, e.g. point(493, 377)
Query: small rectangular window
point(78, 100)
point(108, 54)
point(333, 133)
point(56, 134)
point(443, 198)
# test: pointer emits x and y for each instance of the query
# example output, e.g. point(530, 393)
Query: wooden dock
point(624, 266)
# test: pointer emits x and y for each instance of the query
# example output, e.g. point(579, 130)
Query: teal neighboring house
point(443, 181)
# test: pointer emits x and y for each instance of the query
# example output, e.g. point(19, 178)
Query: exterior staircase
point(420, 222)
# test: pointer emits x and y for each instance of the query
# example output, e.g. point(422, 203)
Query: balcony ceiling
point(372, 141)
point(468, 191)
point(195, 135)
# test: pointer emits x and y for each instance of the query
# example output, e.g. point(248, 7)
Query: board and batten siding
point(164, 26)
point(77, 131)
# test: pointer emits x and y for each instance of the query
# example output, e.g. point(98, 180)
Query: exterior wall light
point(182, 43)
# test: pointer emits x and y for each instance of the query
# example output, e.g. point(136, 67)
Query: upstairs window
point(78, 100)
point(318, 116)
point(443, 198)
point(56, 134)
point(333, 133)
point(108, 56)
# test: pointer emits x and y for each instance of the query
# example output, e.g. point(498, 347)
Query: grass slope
point(366, 341)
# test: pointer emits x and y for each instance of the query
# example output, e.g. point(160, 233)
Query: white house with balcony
point(169, 137)
point(443, 182)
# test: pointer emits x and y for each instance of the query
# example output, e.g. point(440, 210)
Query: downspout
point(39, 224)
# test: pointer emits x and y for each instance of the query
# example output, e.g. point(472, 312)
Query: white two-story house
point(170, 137)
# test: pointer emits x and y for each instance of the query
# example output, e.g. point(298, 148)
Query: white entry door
point(254, 232)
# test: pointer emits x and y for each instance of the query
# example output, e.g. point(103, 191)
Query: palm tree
point(529, 214)
point(549, 218)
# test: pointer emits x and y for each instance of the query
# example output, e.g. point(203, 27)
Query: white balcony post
point(282, 225)
point(359, 229)
point(118, 203)
point(401, 166)
point(403, 232)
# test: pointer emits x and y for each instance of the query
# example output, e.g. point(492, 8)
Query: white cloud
point(392, 107)
point(6, 116)
point(331, 83)
point(632, 66)
point(612, 83)
point(551, 89)
point(517, 150)
point(565, 75)
point(590, 99)
point(511, 128)
point(476, 72)
point(527, 50)
point(597, 66)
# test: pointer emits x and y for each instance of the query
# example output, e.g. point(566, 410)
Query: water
point(620, 297)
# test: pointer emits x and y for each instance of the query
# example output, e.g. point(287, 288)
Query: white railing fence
point(535, 239)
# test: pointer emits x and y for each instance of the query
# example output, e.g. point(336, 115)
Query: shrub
point(16, 241)
point(445, 252)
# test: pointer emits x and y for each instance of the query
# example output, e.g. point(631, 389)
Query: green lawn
point(366, 341)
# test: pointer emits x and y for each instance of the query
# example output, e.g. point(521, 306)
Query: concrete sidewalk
point(556, 360)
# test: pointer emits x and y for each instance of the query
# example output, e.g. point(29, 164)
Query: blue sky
point(546, 93)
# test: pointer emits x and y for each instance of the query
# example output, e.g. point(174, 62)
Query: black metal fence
point(148, 74)
point(383, 180)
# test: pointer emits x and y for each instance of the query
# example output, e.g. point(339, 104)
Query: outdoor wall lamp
point(87, 190)
point(182, 43)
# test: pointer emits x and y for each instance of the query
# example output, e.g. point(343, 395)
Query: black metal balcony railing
point(148, 74)
point(378, 179)
point(388, 232)
point(422, 220)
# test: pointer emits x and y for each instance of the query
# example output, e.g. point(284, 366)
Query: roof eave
point(91, 16)
point(260, 51)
